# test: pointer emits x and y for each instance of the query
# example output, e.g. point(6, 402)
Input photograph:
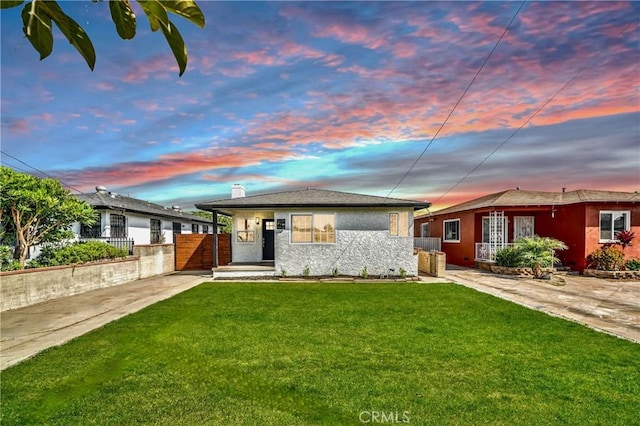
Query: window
point(92, 231)
point(486, 231)
point(425, 230)
point(451, 231)
point(118, 224)
point(245, 232)
point(269, 225)
point(399, 224)
point(205, 229)
point(523, 226)
point(316, 228)
point(156, 231)
point(612, 222)
point(177, 228)
point(194, 228)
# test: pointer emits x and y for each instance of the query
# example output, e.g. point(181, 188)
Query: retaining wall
point(31, 286)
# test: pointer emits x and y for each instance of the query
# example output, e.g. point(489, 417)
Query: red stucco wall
point(577, 225)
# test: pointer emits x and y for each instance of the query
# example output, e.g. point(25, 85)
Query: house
point(582, 219)
point(143, 222)
point(324, 231)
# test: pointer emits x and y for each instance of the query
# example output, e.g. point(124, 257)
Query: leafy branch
point(38, 15)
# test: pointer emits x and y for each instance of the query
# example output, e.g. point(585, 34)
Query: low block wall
point(155, 259)
point(612, 275)
point(31, 286)
point(432, 263)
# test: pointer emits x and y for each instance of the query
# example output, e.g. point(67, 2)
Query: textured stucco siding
point(362, 240)
point(248, 252)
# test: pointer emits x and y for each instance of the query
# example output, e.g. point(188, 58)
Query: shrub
point(364, 273)
point(508, 257)
point(79, 252)
point(633, 264)
point(403, 273)
point(607, 258)
point(335, 273)
point(306, 271)
point(538, 252)
point(7, 262)
point(625, 238)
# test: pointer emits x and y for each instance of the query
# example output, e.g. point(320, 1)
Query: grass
point(297, 354)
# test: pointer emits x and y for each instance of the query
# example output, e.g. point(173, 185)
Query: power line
point(531, 117)
point(41, 172)
point(458, 102)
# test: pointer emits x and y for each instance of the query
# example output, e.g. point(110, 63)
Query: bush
point(633, 264)
point(80, 252)
point(508, 257)
point(7, 262)
point(607, 258)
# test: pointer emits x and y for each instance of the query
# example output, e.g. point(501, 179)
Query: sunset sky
point(334, 95)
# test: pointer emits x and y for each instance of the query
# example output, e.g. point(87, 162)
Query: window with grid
point(612, 222)
point(92, 231)
point(399, 224)
point(194, 228)
point(313, 228)
point(118, 225)
point(245, 232)
point(156, 231)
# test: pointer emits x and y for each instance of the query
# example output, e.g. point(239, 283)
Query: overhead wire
point(466, 90)
point(581, 69)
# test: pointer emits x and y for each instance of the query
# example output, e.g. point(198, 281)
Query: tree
point(537, 253)
point(37, 16)
point(38, 211)
point(223, 220)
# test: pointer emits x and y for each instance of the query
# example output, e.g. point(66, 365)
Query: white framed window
point(612, 222)
point(451, 231)
point(313, 228)
point(425, 230)
point(118, 224)
point(486, 229)
point(523, 226)
point(399, 224)
point(245, 232)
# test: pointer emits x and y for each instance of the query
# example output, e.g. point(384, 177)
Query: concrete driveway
point(26, 331)
point(611, 306)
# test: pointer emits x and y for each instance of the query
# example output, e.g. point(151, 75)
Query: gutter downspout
point(215, 238)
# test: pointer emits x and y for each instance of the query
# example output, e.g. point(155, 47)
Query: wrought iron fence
point(121, 243)
point(487, 251)
point(427, 243)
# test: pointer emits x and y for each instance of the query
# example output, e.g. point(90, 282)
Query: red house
point(582, 219)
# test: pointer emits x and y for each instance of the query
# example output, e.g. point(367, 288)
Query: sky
point(362, 97)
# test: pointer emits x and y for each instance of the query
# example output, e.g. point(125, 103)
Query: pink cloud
point(19, 126)
point(105, 86)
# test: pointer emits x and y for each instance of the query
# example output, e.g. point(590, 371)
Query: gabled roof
point(113, 201)
point(516, 197)
point(309, 198)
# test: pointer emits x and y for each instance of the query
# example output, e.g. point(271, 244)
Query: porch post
point(215, 238)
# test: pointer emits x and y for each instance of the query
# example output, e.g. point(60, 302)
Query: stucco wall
point(362, 239)
point(30, 286)
point(155, 259)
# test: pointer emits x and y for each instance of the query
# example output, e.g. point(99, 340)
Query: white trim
point(627, 224)
point(335, 233)
point(444, 231)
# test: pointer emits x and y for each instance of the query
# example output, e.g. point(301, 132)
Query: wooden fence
point(195, 251)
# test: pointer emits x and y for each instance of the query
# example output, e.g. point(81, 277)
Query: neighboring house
point(582, 219)
point(141, 221)
point(322, 230)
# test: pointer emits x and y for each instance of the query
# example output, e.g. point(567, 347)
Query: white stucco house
point(320, 230)
point(138, 220)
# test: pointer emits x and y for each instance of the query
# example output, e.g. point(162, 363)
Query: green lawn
point(296, 354)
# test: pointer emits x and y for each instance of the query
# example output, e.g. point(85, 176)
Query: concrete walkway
point(610, 306)
point(26, 331)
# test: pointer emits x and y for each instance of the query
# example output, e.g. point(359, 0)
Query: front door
point(268, 239)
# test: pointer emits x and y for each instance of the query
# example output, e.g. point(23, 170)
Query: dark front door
point(268, 239)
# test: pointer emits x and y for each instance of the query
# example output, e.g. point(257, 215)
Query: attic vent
point(101, 189)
